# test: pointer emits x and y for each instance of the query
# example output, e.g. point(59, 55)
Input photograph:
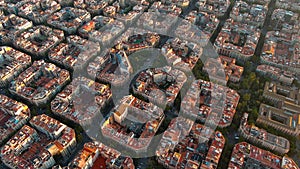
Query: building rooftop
point(13, 116)
point(12, 63)
point(281, 118)
point(240, 33)
point(12, 25)
point(69, 19)
point(284, 16)
point(247, 155)
point(40, 82)
point(205, 21)
point(284, 116)
point(277, 74)
point(188, 31)
point(102, 29)
point(135, 39)
point(125, 12)
point(217, 7)
point(235, 37)
point(92, 6)
point(250, 13)
point(39, 39)
point(230, 72)
point(159, 85)
point(157, 22)
point(74, 54)
point(279, 144)
point(81, 100)
point(113, 65)
point(282, 93)
point(181, 54)
point(37, 10)
point(209, 101)
point(166, 8)
point(281, 46)
point(200, 148)
point(102, 156)
point(282, 49)
point(288, 4)
point(133, 123)
point(178, 129)
point(35, 147)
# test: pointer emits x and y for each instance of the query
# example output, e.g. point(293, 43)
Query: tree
point(296, 83)
point(255, 59)
point(247, 67)
point(254, 112)
point(252, 77)
point(255, 85)
point(245, 84)
point(247, 97)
